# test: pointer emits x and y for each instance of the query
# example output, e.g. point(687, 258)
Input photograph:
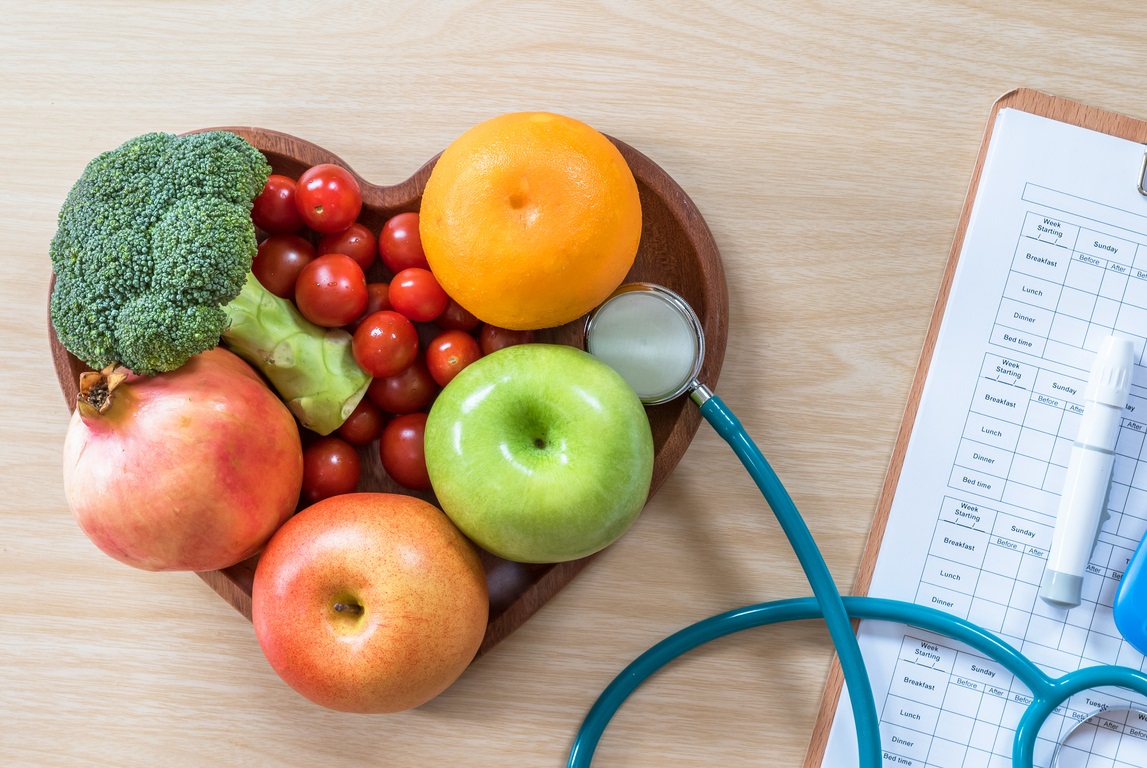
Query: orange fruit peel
point(531, 219)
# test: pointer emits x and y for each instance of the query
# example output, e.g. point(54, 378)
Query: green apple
point(540, 453)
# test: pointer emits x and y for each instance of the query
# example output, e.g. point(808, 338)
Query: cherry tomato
point(384, 344)
point(331, 290)
point(279, 261)
point(364, 425)
point(492, 338)
point(449, 353)
point(412, 390)
point(403, 453)
point(330, 467)
point(399, 244)
point(328, 198)
point(274, 210)
point(355, 241)
point(377, 299)
point(456, 318)
point(415, 293)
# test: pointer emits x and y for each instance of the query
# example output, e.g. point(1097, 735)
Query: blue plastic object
point(1131, 600)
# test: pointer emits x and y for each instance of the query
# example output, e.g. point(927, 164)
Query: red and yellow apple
point(369, 602)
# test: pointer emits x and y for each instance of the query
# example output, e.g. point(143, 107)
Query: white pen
point(1084, 497)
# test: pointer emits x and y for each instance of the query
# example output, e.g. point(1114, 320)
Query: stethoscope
point(654, 339)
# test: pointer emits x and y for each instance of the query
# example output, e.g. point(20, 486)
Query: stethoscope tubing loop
point(1048, 693)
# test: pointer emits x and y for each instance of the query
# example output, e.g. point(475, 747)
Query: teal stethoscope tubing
point(1047, 693)
point(729, 427)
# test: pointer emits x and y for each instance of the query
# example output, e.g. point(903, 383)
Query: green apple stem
point(352, 608)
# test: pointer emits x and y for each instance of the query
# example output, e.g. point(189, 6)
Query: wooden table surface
point(828, 145)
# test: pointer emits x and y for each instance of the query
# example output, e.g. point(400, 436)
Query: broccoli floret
point(153, 240)
point(152, 256)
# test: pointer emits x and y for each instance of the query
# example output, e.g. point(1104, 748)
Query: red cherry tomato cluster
point(408, 334)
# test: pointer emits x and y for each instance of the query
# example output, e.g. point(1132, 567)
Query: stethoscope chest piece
point(652, 337)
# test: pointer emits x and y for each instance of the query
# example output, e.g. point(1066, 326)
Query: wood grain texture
point(827, 145)
point(676, 251)
point(1026, 100)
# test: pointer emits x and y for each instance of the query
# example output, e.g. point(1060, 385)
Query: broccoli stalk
point(152, 256)
point(311, 367)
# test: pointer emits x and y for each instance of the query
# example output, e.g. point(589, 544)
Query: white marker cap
point(1110, 379)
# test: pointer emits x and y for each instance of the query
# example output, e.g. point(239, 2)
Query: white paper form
point(1054, 259)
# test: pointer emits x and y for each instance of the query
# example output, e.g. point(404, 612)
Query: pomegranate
point(193, 469)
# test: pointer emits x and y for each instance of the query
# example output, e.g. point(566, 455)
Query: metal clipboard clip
point(1143, 175)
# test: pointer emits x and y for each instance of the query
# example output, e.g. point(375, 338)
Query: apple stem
point(352, 608)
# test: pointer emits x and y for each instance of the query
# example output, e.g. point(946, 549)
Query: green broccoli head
point(153, 239)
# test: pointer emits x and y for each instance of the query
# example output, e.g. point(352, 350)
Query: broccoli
point(152, 256)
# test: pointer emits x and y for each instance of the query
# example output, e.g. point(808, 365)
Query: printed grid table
point(943, 699)
point(1069, 287)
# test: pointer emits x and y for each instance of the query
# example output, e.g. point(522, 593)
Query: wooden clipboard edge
point(1025, 100)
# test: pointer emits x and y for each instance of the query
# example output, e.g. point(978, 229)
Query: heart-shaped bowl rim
point(677, 250)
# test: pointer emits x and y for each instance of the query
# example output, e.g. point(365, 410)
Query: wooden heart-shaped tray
point(676, 251)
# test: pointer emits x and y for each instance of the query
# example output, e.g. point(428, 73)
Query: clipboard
point(1025, 100)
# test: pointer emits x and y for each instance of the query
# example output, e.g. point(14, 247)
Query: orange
point(530, 220)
